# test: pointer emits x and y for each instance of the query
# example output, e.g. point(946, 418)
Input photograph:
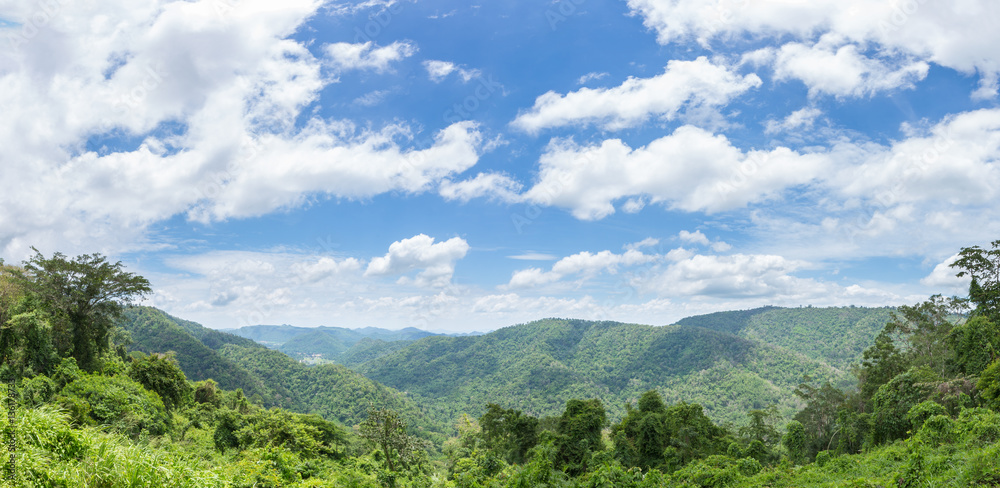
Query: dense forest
point(103, 393)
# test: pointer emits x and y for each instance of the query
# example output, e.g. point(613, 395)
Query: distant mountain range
point(729, 362)
point(350, 347)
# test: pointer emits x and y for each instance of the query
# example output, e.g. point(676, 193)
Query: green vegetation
point(922, 411)
point(836, 336)
point(350, 347)
point(540, 366)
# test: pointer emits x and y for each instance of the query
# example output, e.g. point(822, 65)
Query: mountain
point(330, 343)
point(836, 336)
point(276, 335)
point(268, 376)
point(537, 367)
point(155, 331)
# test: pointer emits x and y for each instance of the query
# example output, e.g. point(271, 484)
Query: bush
point(938, 429)
point(979, 425)
point(37, 391)
point(119, 402)
point(749, 466)
point(822, 458)
point(923, 411)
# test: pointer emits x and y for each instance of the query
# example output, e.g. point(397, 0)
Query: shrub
point(938, 429)
point(119, 402)
point(923, 411)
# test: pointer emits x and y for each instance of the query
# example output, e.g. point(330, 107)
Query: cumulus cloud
point(176, 109)
point(684, 84)
point(344, 56)
point(690, 169)
point(738, 275)
point(435, 260)
point(841, 70)
point(584, 263)
point(696, 237)
point(944, 276)
point(957, 35)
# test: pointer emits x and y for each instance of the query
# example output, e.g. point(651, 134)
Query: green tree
point(989, 385)
point(983, 267)
point(819, 417)
point(795, 441)
point(509, 433)
point(385, 430)
point(895, 399)
point(83, 299)
point(160, 373)
point(642, 436)
point(975, 344)
point(580, 434)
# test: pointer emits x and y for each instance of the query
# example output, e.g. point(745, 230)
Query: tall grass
point(52, 453)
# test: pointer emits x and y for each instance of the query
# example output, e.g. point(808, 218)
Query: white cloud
point(584, 263)
point(344, 56)
point(831, 68)
point(324, 159)
point(484, 185)
point(691, 170)
point(735, 276)
point(230, 87)
point(439, 70)
point(957, 35)
point(647, 242)
point(944, 276)
point(698, 84)
point(802, 118)
point(323, 268)
point(591, 77)
point(435, 260)
point(952, 161)
point(696, 237)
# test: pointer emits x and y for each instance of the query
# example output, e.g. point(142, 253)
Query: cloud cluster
point(684, 84)
point(435, 260)
point(439, 70)
point(180, 108)
point(690, 169)
point(584, 263)
point(956, 35)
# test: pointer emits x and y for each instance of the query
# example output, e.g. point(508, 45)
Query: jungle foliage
point(922, 411)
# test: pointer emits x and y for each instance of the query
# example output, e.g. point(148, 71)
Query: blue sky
point(465, 166)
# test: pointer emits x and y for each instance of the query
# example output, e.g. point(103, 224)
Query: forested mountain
point(836, 336)
point(537, 367)
point(87, 412)
point(266, 376)
point(195, 348)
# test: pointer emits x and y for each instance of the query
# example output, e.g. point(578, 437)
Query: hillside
point(835, 336)
point(155, 331)
point(538, 366)
point(268, 376)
